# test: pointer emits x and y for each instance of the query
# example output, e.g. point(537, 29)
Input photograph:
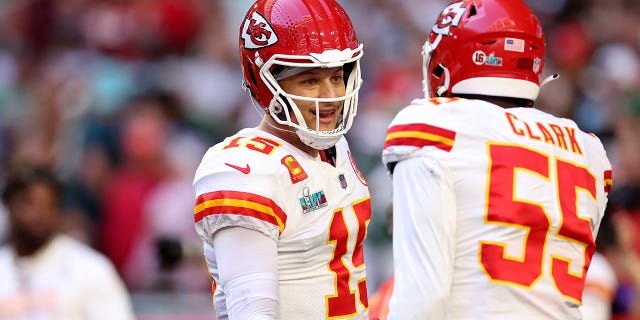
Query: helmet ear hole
point(347, 68)
point(278, 108)
point(472, 11)
point(438, 71)
point(252, 76)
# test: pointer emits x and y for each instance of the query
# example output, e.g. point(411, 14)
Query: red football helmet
point(280, 37)
point(484, 47)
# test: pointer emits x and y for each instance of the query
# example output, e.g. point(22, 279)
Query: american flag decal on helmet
point(513, 44)
point(420, 135)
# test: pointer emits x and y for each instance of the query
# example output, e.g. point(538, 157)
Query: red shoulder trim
point(608, 180)
point(420, 135)
point(240, 203)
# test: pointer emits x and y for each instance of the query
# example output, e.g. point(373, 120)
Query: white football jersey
point(495, 211)
point(66, 280)
point(600, 289)
point(315, 212)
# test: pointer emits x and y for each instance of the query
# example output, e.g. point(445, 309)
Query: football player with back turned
point(496, 204)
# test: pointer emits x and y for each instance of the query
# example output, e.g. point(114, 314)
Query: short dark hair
point(22, 177)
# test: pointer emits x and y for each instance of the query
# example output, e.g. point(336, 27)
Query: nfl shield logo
point(343, 181)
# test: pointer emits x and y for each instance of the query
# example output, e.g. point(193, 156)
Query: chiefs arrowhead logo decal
point(449, 17)
point(257, 32)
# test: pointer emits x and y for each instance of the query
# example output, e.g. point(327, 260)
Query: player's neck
point(285, 133)
point(504, 102)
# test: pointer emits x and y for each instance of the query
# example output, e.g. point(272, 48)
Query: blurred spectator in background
point(148, 194)
point(601, 282)
point(142, 136)
point(3, 223)
point(621, 246)
point(45, 274)
point(627, 142)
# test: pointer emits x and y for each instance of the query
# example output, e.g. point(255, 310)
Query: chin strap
point(549, 79)
point(444, 87)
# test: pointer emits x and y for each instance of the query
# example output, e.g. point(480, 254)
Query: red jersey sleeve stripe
point(240, 203)
point(608, 180)
point(420, 135)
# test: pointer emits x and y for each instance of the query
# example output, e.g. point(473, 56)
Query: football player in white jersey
point(599, 290)
point(45, 274)
point(496, 204)
point(282, 209)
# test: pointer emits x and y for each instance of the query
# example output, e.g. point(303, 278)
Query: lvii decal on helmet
point(450, 17)
point(257, 32)
point(480, 58)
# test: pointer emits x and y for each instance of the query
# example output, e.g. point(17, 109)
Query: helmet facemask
point(284, 110)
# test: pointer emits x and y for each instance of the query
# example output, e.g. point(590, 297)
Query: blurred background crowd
point(123, 97)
